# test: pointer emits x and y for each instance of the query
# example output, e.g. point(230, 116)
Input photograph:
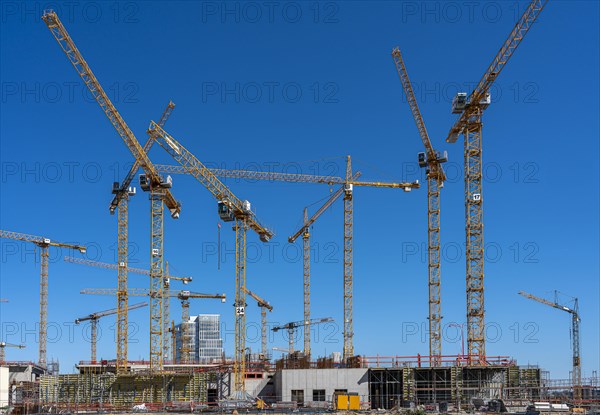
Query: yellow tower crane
point(264, 306)
point(432, 160)
point(4, 345)
point(44, 244)
point(470, 125)
point(348, 182)
point(151, 181)
point(120, 203)
point(166, 287)
point(230, 208)
point(93, 319)
point(305, 232)
point(575, 320)
point(184, 296)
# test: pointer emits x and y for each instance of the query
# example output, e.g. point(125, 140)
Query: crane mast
point(306, 281)
point(264, 306)
point(348, 264)
point(435, 182)
point(44, 244)
point(575, 320)
point(158, 187)
point(470, 126)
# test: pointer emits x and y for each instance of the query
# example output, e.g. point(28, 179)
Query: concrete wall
point(3, 386)
point(353, 380)
point(260, 387)
point(25, 373)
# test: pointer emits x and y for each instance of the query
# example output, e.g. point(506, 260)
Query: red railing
point(362, 361)
point(424, 361)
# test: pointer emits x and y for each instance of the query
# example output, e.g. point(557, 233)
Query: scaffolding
point(110, 392)
point(191, 388)
point(458, 386)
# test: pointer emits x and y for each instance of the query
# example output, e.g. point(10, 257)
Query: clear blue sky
point(297, 88)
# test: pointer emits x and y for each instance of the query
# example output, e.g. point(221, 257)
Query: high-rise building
point(205, 334)
point(210, 343)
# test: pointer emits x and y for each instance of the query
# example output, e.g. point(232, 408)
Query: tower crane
point(166, 287)
point(184, 296)
point(230, 208)
point(292, 326)
point(348, 182)
point(43, 244)
point(305, 232)
point(347, 191)
point(469, 124)
point(432, 160)
point(152, 181)
point(264, 306)
point(575, 320)
point(120, 203)
point(93, 319)
point(4, 345)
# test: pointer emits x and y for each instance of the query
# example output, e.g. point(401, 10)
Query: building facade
point(206, 341)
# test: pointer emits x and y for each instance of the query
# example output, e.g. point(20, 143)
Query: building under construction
point(200, 377)
point(385, 383)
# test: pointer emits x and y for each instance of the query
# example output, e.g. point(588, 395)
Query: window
point(298, 396)
point(319, 395)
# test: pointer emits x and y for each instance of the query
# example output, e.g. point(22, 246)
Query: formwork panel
point(457, 386)
point(109, 391)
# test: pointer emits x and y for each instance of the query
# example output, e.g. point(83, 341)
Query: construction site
point(186, 368)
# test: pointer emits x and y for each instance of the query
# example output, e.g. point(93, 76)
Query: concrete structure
point(24, 372)
point(3, 386)
point(457, 386)
point(185, 387)
point(307, 386)
point(19, 387)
